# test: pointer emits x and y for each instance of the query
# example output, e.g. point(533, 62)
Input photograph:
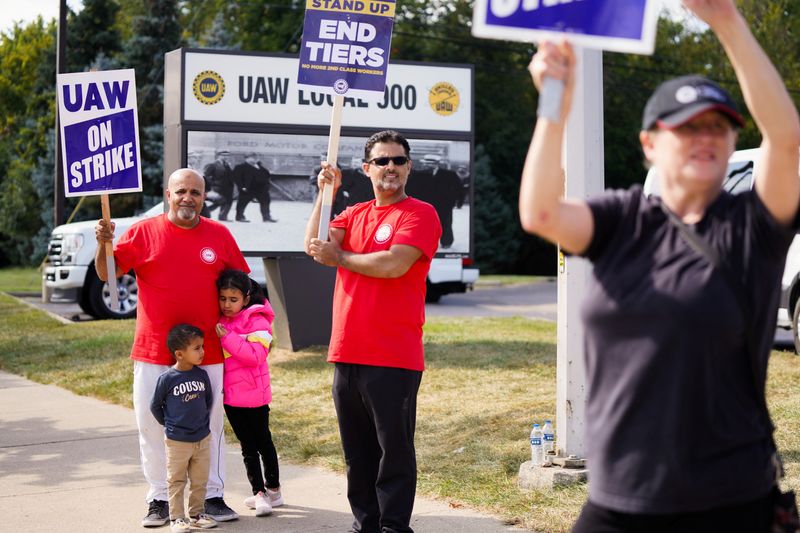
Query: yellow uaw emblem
point(444, 98)
point(208, 87)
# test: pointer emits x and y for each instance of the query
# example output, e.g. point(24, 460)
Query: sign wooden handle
point(333, 155)
point(111, 267)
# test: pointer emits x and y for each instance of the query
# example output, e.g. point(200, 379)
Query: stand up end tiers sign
point(99, 132)
point(345, 48)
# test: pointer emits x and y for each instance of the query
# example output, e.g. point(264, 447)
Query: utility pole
point(583, 164)
point(61, 48)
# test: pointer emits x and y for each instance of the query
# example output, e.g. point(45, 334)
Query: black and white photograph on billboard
point(263, 185)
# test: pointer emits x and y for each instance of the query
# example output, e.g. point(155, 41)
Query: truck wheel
point(99, 297)
point(432, 294)
point(85, 303)
point(796, 326)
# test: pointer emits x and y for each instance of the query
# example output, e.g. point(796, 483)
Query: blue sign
point(102, 154)
point(100, 132)
point(616, 25)
point(345, 47)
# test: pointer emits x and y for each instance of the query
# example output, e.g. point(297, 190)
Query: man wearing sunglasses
point(382, 250)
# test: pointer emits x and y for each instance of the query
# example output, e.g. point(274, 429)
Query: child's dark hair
point(181, 335)
point(236, 279)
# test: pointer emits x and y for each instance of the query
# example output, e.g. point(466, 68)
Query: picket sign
point(100, 142)
point(344, 52)
point(613, 25)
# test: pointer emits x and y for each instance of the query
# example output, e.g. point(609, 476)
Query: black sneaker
point(217, 509)
point(157, 514)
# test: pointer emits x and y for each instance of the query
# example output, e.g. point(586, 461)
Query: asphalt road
point(530, 300)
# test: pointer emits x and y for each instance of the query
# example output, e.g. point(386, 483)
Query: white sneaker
point(275, 497)
point(203, 521)
point(263, 508)
point(179, 525)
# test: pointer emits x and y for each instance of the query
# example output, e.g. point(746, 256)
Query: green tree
point(219, 35)
point(267, 25)
point(493, 216)
point(504, 109)
point(155, 32)
point(27, 103)
point(92, 32)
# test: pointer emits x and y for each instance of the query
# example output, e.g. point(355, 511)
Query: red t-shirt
point(378, 321)
point(176, 271)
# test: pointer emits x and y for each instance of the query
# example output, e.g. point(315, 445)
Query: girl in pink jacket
point(245, 331)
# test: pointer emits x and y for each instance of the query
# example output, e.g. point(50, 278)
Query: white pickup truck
point(69, 274)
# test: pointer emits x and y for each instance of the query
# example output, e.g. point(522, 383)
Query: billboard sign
point(100, 132)
point(262, 89)
point(345, 47)
point(614, 25)
point(258, 139)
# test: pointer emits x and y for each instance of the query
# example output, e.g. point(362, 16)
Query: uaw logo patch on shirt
point(384, 233)
point(208, 87)
point(208, 255)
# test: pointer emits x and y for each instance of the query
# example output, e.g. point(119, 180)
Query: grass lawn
point(20, 279)
point(487, 380)
point(493, 280)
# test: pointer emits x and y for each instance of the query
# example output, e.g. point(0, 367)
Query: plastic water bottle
point(549, 437)
point(537, 446)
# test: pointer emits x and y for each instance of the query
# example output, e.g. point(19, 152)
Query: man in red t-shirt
point(177, 258)
point(382, 250)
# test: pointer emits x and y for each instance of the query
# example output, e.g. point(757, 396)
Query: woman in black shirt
point(676, 436)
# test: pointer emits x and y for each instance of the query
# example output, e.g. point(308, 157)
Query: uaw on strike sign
point(345, 48)
point(99, 132)
point(614, 25)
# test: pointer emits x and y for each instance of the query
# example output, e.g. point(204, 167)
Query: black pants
point(750, 517)
point(377, 411)
point(251, 426)
point(261, 193)
point(245, 197)
point(446, 219)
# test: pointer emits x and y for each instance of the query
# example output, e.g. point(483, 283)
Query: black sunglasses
point(383, 161)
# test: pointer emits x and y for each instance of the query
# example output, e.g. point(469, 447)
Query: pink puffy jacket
point(245, 348)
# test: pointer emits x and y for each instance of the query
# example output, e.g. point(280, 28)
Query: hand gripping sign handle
point(550, 99)
point(333, 156)
point(111, 267)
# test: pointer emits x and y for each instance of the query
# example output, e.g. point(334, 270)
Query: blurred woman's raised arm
point(542, 208)
point(770, 105)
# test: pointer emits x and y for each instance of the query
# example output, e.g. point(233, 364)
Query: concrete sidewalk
point(70, 463)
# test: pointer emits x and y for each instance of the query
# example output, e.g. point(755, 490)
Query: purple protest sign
point(616, 25)
point(100, 132)
point(345, 47)
point(102, 154)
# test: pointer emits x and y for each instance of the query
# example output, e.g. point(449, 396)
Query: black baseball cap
point(679, 100)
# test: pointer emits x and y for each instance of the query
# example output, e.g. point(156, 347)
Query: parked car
point(69, 274)
point(741, 166)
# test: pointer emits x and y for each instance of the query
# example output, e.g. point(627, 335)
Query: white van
point(740, 178)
